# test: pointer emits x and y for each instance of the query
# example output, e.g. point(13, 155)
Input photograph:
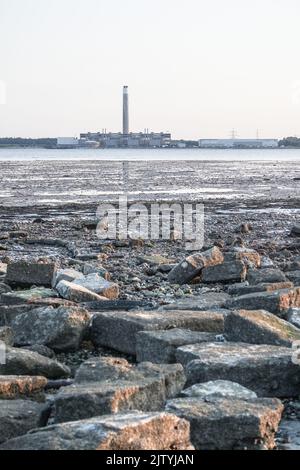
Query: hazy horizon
point(196, 69)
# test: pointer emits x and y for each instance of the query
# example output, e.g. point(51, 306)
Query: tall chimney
point(125, 111)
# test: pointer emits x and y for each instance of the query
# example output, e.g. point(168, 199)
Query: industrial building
point(127, 139)
point(239, 143)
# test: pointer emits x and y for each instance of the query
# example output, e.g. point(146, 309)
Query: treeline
point(290, 142)
point(20, 142)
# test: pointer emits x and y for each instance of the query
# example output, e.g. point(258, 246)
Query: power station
point(125, 139)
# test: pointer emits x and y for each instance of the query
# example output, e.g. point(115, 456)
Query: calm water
point(151, 154)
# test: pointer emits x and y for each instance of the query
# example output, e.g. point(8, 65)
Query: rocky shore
point(137, 344)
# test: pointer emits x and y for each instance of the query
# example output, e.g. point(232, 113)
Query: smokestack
point(125, 111)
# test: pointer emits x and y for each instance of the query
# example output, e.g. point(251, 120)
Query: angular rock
point(23, 362)
point(23, 296)
point(278, 302)
point(219, 388)
point(267, 275)
point(207, 301)
point(26, 274)
point(294, 276)
point(69, 275)
point(267, 370)
point(117, 330)
point(230, 424)
point(19, 386)
point(99, 285)
point(296, 230)
point(259, 327)
point(160, 347)
point(60, 329)
point(42, 350)
point(247, 255)
point(70, 291)
point(17, 417)
point(115, 369)
point(9, 312)
point(131, 431)
point(91, 269)
point(7, 335)
point(225, 273)
point(192, 266)
point(293, 316)
point(244, 289)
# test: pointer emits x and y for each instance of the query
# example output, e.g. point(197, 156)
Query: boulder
point(296, 230)
point(61, 329)
point(17, 417)
point(27, 273)
point(219, 388)
point(244, 289)
point(160, 346)
point(246, 255)
point(41, 349)
point(6, 335)
point(19, 386)
point(294, 276)
point(278, 302)
point(117, 330)
point(69, 275)
point(267, 370)
point(207, 301)
point(9, 312)
point(259, 327)
point(224, 273)
point(192, 266)
point(131, 431)
point(23, 296)
point(23, 362)
point(99, 285)
point(91, 269)
point(266, 275)
point(229, 423)
point(70, 291)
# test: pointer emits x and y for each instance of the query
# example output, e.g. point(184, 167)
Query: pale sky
point(196, 68)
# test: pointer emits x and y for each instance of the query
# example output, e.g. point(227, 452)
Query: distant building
point(132, 140)
point(239, 143)
point(67, 142)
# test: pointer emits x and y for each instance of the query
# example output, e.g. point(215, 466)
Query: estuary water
point(149, 155)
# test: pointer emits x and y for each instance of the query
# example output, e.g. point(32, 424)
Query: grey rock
point(278, 302)
point(70, 291)
point(131, 431)
point(267, 370)
point(4, 288)
point(66, 275)
point(3, 268)
point(224, 273)
point(160, 347)
point(230, 424)
point(294, 276)
point(91, 269)
point(267, 275)
point(17, 417)
point(41, 349)
point(26, 273)
point(23, 362)
point(117, 330)
point(296, 230)
point(219, 388)
point(207, 301)
point(192, 266)
point(260, 327)
point(23, 296)
point(247, 255)
point(9, 312)
point(60, 329)
point(242, 289)
point(99, 285)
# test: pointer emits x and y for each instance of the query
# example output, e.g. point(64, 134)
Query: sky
point(197, 68)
